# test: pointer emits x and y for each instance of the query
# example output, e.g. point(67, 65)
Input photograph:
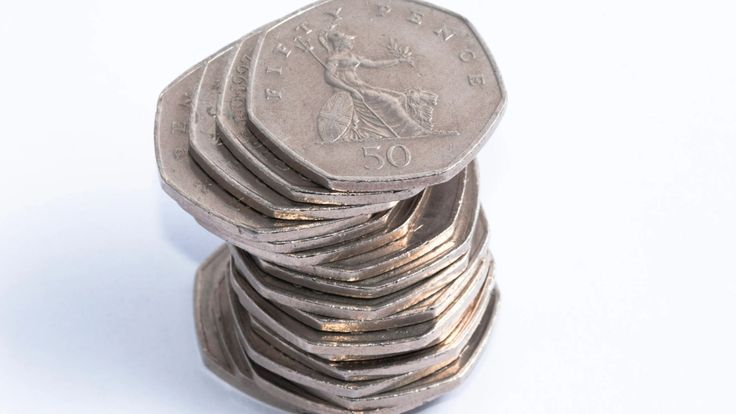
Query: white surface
point(610, 186)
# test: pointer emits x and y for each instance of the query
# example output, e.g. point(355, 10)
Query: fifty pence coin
point(437, 355)
point(208, 150)
point(447, 257)
point(376, 101)
point(357, 346)
point(453, 214)
point(199, 195)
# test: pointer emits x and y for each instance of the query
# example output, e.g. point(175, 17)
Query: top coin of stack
point(332, 150)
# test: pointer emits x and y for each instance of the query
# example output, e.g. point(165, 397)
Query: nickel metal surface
point(356, 346)
point(240, 371)
point(447, 216)
point(435, 380)
point(210, 287)
point(431, 305)
point(373, 224)
point(214, 158)
point(440, 354)
point(402, 219)
point(316, 349)
point(197, 194)
point(354, 314)
point(453, 253)
point(274, 385)
point(414, 305)
point(246, 147)
point(378, 97)
point(265, 355)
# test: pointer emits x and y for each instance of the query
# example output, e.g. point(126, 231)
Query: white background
point(610, 186)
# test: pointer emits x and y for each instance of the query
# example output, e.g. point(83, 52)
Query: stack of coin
point(333, 151)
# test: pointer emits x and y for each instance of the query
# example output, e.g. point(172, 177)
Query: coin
point(451, 214)
point(447, 351)
point(371, 225)
point(270, 358)
point(429, 305)
point(371, 97)
point(214, 158)
point(271, 387)
point(420, 303)
point(436, 380)
point(210, 284)
point(360, 310)
point(295, 297)
point(356, 346)
point(332, 151)
point(196, 193)
point(232, 119)
point(446, 256)
point(430, 387)
point(400, 221)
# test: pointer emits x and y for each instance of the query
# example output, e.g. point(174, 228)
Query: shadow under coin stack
point(333, 151)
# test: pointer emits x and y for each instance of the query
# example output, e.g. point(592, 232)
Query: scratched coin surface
point(378, 96)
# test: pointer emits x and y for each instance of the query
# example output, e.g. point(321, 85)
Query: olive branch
point(404, 53)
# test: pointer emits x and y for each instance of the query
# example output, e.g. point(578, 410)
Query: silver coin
point(205, 285)
point(251, 378)
point(302, 401)
point(356, 346)
point(343, 289)
point(361, 311)
point(270, 358)
point(214, 158)
point(452, 214)
point(438, 355)
point(375, 101)
point(431, 386)
point(430, 305)
point(210, 284)
point(372, 225)
point(436, 380)
point(418, 304)
point(402, 219)
point(214, 321)
point(232, 119)
point(365, 311)
point(452, 254)
point(196, 193)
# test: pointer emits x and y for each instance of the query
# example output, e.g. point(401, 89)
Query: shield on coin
point(335, 117)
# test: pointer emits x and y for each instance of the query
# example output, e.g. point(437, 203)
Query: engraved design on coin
point(359, 111)
point(380, 95)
